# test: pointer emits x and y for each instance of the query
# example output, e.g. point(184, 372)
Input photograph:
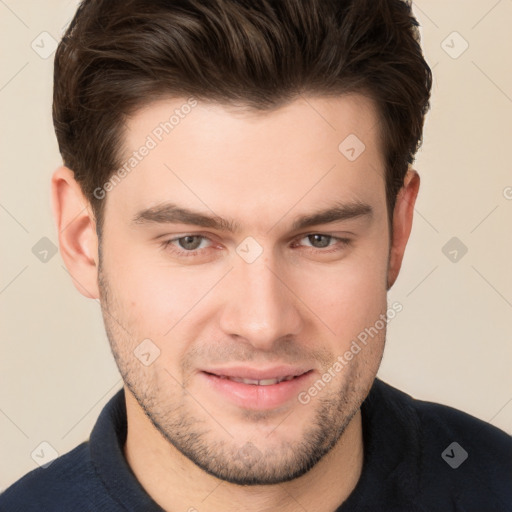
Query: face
point(243, 249)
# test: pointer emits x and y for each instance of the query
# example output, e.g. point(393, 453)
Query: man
point(237, 191)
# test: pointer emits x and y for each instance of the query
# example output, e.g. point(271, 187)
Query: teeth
point(245, 381)
point(268, 382)
point(263, 382)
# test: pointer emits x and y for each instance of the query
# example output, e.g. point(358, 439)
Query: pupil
point(317, 238)
point(187, 241)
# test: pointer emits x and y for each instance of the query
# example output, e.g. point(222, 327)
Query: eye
point(192, 245)
point(190, 242)
point(320, 241)
point(188, 245)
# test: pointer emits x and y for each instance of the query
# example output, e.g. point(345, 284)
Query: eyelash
point(167, 245)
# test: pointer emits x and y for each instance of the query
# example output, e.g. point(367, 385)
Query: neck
point(176, 483)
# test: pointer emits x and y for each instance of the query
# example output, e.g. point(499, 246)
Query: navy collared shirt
point(418, 457)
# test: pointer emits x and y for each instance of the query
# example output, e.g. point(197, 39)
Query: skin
point(187, 444)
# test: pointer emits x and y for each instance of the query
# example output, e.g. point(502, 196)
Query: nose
point(260, 305)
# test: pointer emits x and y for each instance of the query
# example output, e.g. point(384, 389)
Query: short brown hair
point(118, 55)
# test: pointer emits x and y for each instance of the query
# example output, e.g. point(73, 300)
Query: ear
point(402, 223)
point(77, 232)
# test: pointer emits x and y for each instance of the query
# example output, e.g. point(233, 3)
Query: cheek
point(351, 294)
point(154, 302)
point(144, 299)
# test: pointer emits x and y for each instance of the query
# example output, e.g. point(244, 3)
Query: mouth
point(256, 389)
point(258, 382)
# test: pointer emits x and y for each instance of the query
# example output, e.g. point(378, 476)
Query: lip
point(245, 372)
point(257, 397)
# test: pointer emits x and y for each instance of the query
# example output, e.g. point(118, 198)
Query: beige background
point(450, 344)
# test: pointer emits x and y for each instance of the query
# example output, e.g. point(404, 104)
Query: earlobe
point(402, 223)
point(77, 232)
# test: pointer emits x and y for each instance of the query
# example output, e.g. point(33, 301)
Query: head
point(259, 229)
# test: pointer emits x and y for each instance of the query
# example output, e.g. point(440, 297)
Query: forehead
point(251, 166)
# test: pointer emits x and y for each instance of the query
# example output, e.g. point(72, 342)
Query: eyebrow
point(170, 213)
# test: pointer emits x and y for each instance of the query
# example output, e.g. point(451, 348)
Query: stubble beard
point(193, 432)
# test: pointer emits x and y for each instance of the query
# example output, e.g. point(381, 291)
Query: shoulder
point(441, 422)
point(463, 460)
point(67, 483)
point(438, 420)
